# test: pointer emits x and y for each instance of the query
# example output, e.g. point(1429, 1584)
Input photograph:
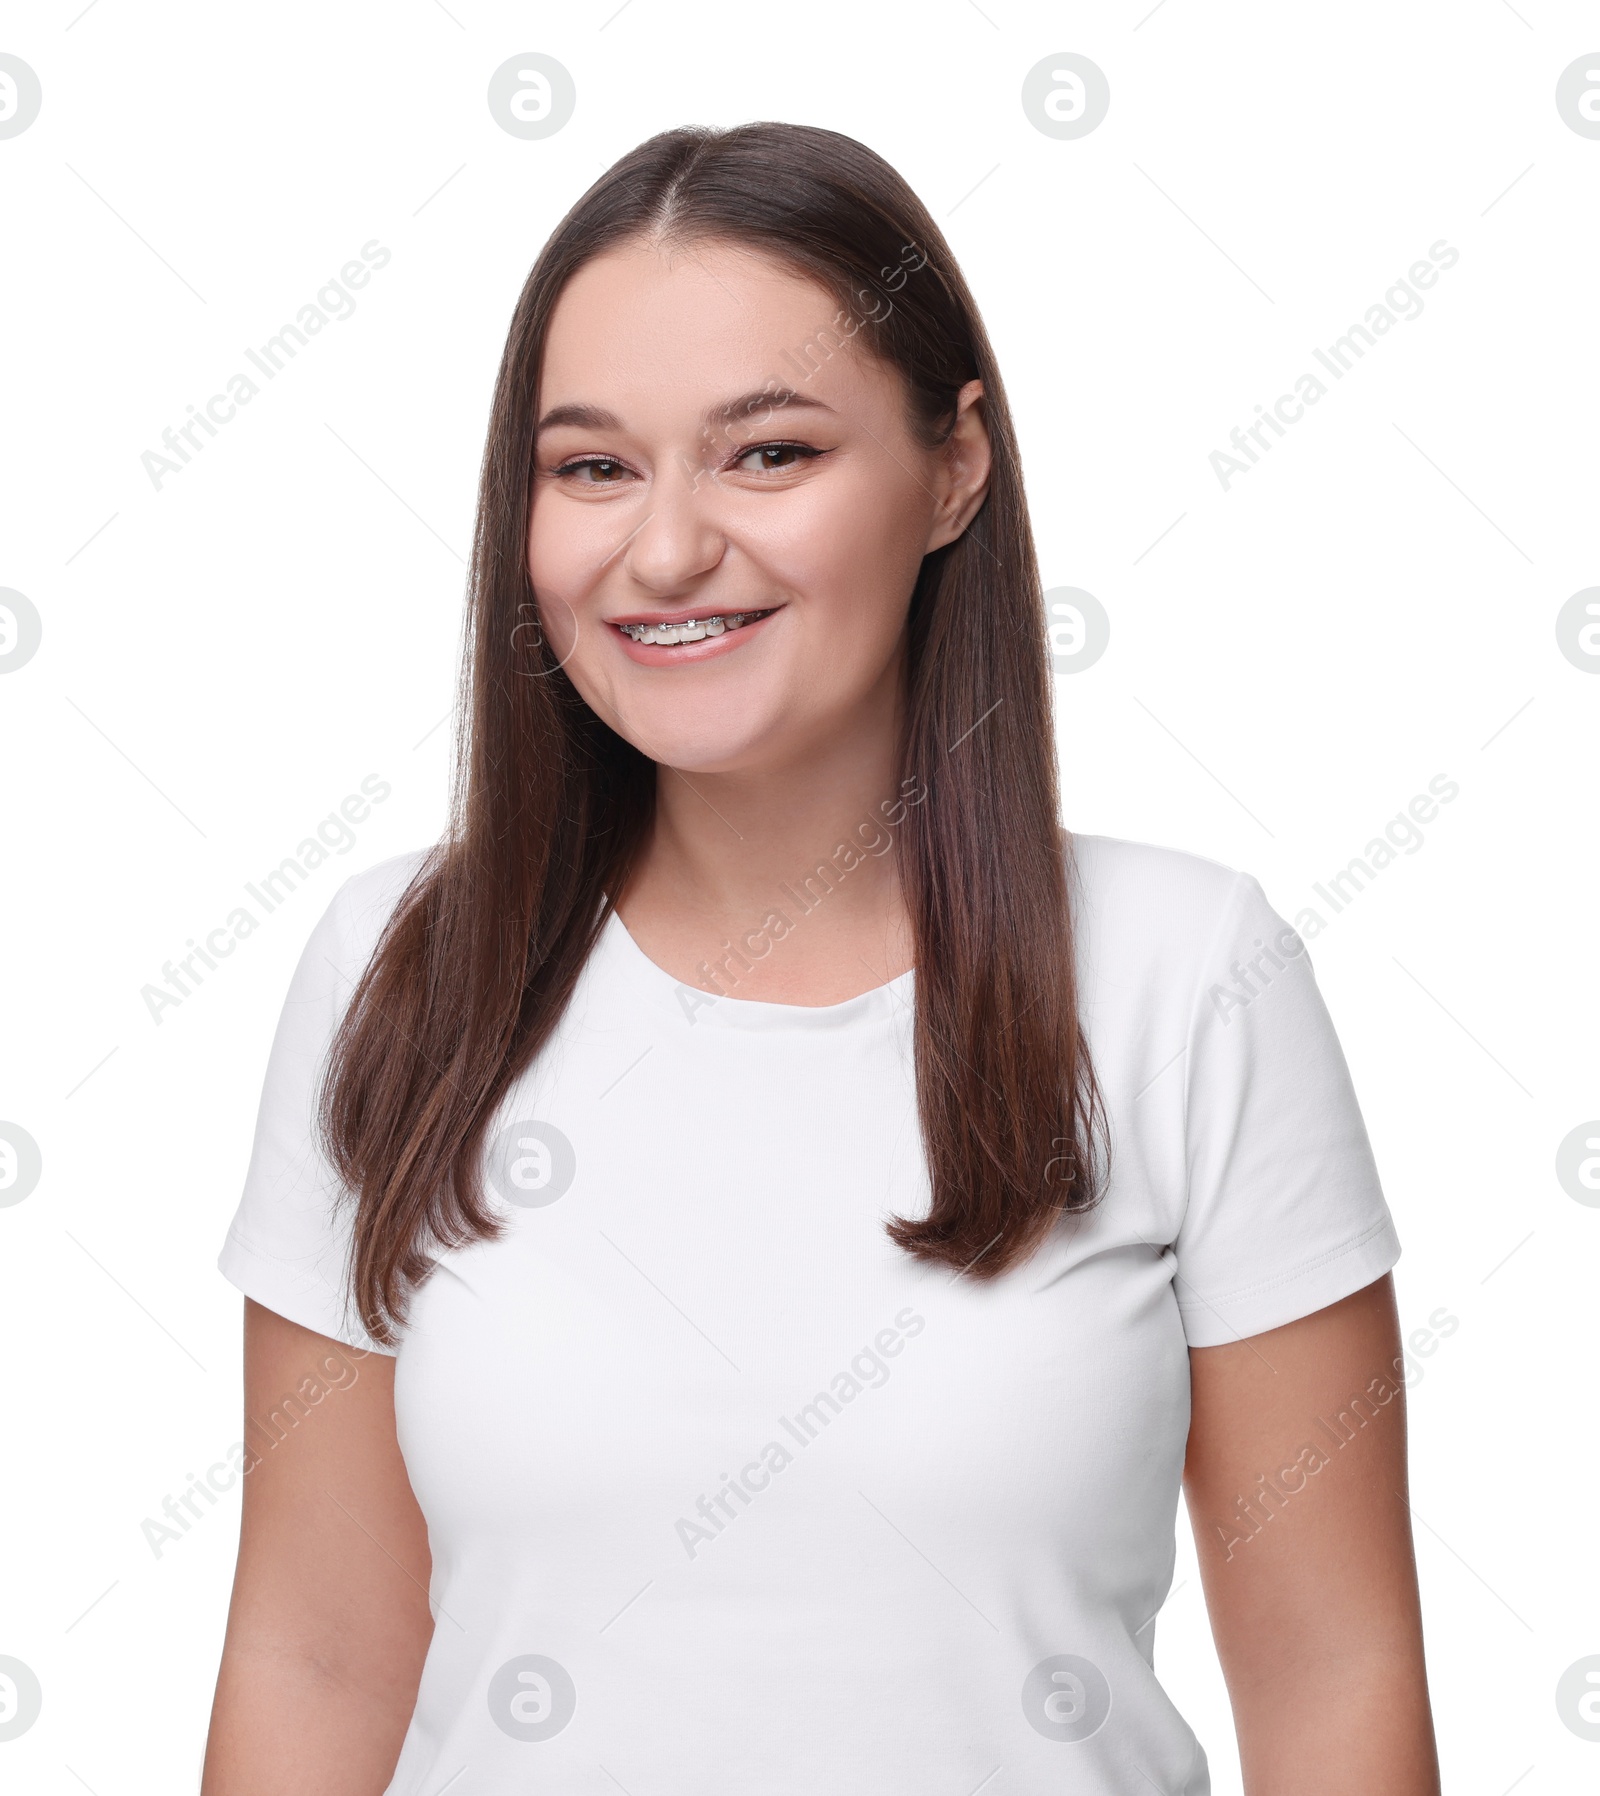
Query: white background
point(225, 658)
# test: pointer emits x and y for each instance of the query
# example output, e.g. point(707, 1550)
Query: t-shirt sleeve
point(1285, 1212)
point(290, 1235)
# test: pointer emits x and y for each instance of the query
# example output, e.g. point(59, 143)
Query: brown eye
point(772, 458)
point(593, 470)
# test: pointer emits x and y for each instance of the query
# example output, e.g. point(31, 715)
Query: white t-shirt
point(724, 1490)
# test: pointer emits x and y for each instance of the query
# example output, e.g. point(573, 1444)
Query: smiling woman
point(753, 564)
point(663, 502)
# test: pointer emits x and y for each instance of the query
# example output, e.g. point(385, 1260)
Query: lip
point(683, 616)
point(660, 654)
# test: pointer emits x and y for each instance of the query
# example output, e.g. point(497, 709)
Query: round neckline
point(690, 1004)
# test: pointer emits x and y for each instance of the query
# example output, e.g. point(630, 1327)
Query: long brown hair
point(552, 806)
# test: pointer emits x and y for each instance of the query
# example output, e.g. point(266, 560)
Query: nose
point(679, 541)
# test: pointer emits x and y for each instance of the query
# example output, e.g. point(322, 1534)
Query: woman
point(804, 1214)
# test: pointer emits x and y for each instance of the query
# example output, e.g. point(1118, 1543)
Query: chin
point(732, 739)
point(696, 752)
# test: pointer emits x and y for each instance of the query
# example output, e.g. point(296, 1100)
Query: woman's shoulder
point(1168, 879)
point(355, 916)
point(368, 896)
point(1159, 906)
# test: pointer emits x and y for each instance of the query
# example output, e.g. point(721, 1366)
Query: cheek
point(565, 557)
point(555, 550)
point(850, 550)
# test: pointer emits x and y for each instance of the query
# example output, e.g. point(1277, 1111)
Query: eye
point(773, 458)
point(605, 471)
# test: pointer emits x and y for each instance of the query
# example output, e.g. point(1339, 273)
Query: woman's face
point(717, 443)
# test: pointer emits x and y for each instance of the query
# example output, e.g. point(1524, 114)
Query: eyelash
point(610, 461)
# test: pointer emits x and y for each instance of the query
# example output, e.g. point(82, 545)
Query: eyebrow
point(768, 398)
point(596, 417)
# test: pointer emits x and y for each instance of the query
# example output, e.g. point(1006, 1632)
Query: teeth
point(692, 629)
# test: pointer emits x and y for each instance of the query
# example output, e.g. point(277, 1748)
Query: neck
point(809, 842)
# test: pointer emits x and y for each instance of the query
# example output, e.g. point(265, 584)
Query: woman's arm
point(1305, 1553)
point(330, 1622)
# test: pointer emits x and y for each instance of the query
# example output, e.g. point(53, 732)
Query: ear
point(963, 475)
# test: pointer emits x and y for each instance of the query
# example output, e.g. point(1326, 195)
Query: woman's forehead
point(703, 325)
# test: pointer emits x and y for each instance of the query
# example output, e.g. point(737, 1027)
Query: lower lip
point(661, 654)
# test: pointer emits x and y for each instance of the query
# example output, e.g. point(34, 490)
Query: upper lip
point(683, 616)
